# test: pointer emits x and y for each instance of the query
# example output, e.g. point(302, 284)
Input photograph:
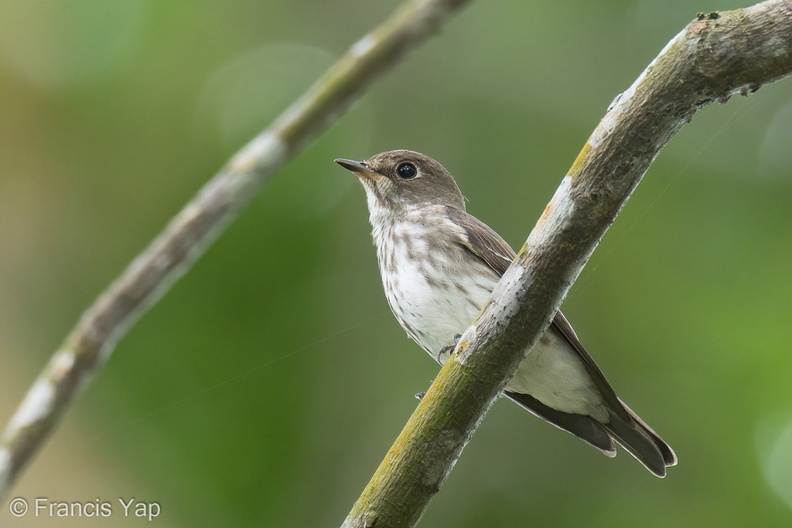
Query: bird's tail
point(641, 441)
point(625, 427)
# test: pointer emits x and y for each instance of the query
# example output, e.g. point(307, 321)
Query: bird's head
point(400, 179)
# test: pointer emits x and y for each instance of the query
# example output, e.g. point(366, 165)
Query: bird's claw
point(448, 348)
point(420, 395)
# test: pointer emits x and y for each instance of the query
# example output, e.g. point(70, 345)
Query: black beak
point(358, 167)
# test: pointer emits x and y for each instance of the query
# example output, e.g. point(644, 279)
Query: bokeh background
point(265, 387)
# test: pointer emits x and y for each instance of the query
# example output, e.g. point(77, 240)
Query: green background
point(265, 387)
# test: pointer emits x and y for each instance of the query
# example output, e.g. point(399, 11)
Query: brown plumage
point(439, 265)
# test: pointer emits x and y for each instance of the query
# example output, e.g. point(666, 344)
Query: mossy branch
point(714, 57)
point(186, 237)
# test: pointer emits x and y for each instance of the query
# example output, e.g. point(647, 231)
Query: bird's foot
point(420, 395)
point(446, 350)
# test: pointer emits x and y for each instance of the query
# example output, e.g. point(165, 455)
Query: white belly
point(435, 298)
point(554, 374)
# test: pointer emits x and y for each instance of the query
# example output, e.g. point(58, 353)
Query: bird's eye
point(406, 171)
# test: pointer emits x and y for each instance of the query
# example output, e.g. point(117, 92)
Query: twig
point(186, 237)
point(715, 56)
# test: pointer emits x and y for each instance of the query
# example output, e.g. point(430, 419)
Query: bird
point(439, 266)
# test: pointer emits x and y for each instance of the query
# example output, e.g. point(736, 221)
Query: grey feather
point(623, 425)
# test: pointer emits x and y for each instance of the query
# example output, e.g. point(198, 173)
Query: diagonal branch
point(171, 254)
point(714, 57)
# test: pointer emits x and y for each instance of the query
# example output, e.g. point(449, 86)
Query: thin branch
point(715, 56)
point(186, 237)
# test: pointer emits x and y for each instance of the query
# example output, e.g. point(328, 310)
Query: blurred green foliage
point(264, 389)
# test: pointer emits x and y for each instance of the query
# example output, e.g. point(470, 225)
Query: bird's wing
point(482, 241)
point(624, 425)
point(492, 249)
point(561, 325)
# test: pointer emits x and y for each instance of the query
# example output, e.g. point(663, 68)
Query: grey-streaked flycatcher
point(439, 265)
